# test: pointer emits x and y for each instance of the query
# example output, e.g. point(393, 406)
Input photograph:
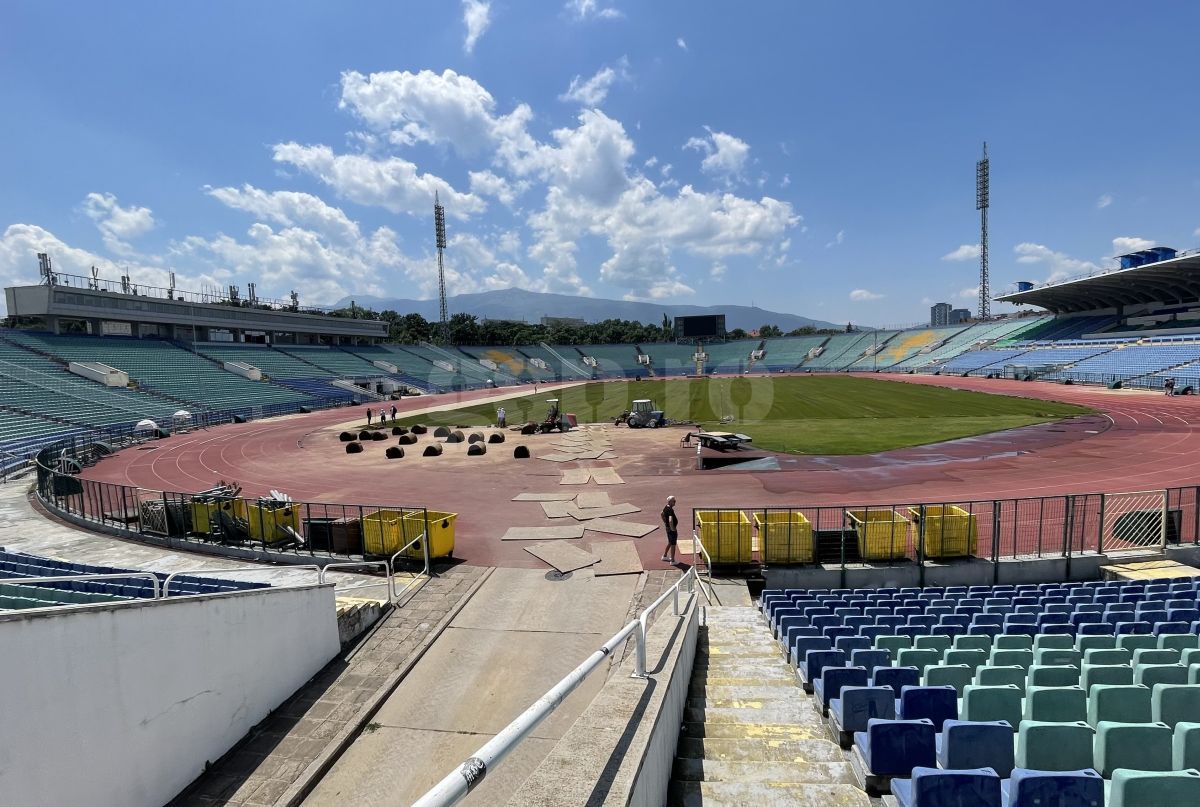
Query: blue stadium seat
point(897, 678)
point(896, 747)
point(855, 706)
point(1030, 788)
point(976, 744)
point(932, 787)
point(936, 704)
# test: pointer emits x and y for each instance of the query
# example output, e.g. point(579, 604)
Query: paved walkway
point(281, 757)
point(517, 637)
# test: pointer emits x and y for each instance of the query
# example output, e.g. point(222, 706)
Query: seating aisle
point(749, 735)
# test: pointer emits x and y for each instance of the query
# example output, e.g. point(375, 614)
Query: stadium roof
point(1173, 281)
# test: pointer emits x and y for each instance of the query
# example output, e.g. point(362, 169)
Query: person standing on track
point(368, 416)
point(671, 525)
point(393, 411)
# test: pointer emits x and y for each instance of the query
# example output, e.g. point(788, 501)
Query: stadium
point(307, 565)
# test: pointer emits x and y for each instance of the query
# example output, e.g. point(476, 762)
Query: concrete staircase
point(750, 734)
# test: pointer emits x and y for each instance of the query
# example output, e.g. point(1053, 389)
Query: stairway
point(750, 734)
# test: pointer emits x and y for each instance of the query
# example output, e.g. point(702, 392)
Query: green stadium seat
point(938, 643)
point(1134, 746)
point(1058, 641)
point(1133, 641)
point(983, 643)
point(1151, 674)
point(955, 675)
point(989, 675)
point(1052, 675)
point(1194, 673)
point(1008, 641)
point(919, 658)
point(1110, 655)
point(1189, 656)
point(893, 644)
point(971, 658)
point(1112, 674)
point(1054, 746)
point(1055, 704)
point(1175, 703)
point(1006, 657)
point(1085, 643)
point(991, 703)
point(1132, 788)
point(1121, 704)
point(1185, 746)
point(1057, 656)
point(1155, 656)
point(1179, 641)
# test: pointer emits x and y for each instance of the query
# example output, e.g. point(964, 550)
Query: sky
point(816, 158)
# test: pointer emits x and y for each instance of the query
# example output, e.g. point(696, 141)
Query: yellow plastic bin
point(784, 537)
point(882, 533)
point(441, 533)
point(950, 531)
point(204, 513)
point(725, 535)
point(266, 523)
point(385, 532)
point(382, 532)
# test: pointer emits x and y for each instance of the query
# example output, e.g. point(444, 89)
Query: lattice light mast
point(439, 229)
point(982, 170)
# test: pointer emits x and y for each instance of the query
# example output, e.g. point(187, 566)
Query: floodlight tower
point(982, 170)
point(439, 229)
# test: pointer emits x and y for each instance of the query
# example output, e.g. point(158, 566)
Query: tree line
point(467, 329)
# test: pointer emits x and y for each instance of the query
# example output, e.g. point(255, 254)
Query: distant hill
point(531, 306)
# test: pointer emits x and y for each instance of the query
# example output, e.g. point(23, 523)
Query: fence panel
point(1135, 522)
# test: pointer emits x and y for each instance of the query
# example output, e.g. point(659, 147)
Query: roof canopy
point(1174, 281)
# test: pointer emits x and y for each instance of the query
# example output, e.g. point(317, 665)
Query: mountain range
point(531, 306)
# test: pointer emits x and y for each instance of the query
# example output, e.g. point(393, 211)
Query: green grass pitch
point(816, 414)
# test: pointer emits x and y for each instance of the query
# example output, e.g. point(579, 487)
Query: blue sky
point(815, 158)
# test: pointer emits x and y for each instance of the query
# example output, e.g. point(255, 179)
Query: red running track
point(1140, 441)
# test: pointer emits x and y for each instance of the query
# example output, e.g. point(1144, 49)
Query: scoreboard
point(707, 326)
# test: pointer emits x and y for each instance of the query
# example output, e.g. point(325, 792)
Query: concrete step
point(744, 669)
point(717, 679)
point(756, 648)
point(769, 794)
point(759, 750)
point(702, 770)
point(771, 702)
point(774, 732)
point(799, 713)
point(750, 692)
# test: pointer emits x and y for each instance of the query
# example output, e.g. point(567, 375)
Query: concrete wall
point(245, 370)
point(123, 705)
point(101, 373)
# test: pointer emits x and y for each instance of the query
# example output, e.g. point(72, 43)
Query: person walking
point(671, 525)
point(500, 416)
point(1169, 386)
point(368, 416)
point(393, 411)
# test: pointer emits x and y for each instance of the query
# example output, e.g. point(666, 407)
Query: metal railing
point(922, 533)
point(462, 780)
point(166, 586)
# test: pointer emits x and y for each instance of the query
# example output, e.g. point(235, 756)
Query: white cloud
point(1126, 244)
point(428, 107)
point(592, 9)
point(725, 156)
point(1059, 265)
point(391, 182)
point(117, 225)
point(592, 92)
point(289, 208)
point(862, 295)
point(717, 272)
point(966, 252)
point(680, 43)
point(477, 16)
point(787, 180)
point(971, 293)
point(837, 239)
point(1104, 201)
point(1196, 232)
point(486, 183)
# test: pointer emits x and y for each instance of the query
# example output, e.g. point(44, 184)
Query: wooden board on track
point(543, 533)
point(616, 526)
point(556, 457)
point(564, 557)
point(616, 557)
point(558, 509)
point(544, 497)
point(607, 476)
point(583, 514)
point(593, 498)
point(1148, 570)
point(575, 476)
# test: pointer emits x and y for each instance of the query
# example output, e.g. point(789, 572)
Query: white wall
point(122, 705)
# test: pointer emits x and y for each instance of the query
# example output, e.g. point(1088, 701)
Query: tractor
point(642, 415)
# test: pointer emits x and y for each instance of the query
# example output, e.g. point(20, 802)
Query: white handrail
point(460, 782)
point(697, 543)
point(153, 578)
point(229, 570)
